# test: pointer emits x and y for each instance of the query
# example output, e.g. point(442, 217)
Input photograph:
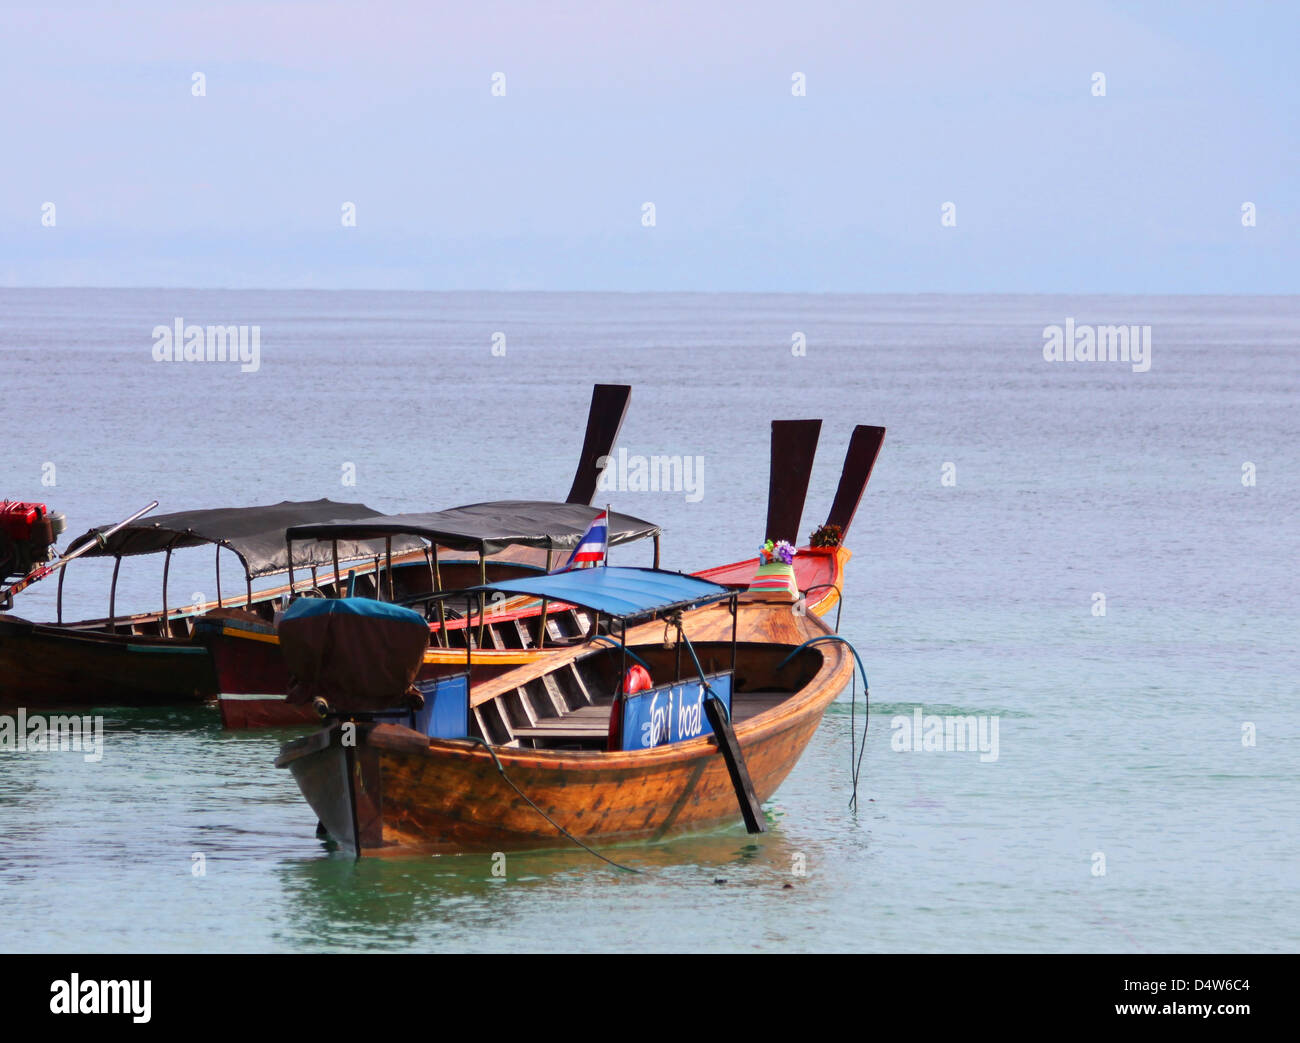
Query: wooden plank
point(541, 730)
point(563, 734)
point(864, 447)
point(566, 723)
point(583, 713)
point(482, 725)
point(556, 693)
point(518, 698)
point(581, 685)
point(586, 722)
point(544, 699)
point(604, 419)
point(794, 444)
point(502, 717)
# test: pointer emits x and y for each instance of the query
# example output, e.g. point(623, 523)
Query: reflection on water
point(456, 901)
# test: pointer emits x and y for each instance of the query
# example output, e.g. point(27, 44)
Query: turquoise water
point(1119, 735)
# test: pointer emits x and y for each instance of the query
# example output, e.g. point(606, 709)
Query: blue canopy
point(618, 591)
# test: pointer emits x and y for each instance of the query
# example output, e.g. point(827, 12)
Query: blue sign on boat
point(445, 714)
point(671, 713)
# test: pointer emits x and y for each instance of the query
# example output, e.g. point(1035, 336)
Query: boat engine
point(27, 535)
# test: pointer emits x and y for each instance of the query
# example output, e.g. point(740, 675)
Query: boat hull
point(50, 667)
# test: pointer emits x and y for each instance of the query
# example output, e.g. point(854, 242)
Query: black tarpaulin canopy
point(255, 534)
point(485, 528)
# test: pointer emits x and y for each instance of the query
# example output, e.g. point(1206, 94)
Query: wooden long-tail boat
point(536, 767)
point(574, 746)
point(152, 658)
point(149, 660)
point(254, 680)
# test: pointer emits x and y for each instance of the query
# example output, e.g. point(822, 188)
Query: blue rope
point(855, 753)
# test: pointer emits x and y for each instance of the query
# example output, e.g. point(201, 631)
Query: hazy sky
point(689, 106)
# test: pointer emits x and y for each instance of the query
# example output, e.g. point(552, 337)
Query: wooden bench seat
point(586, 722)
point(745, 705)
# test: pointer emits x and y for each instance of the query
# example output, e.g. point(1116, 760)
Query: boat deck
point(589, 725)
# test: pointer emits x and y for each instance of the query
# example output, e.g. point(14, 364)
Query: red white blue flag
point(591, 548)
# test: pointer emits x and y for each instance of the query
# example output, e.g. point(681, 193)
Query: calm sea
point(1145, 788)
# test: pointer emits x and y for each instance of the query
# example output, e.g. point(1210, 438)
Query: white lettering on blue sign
point(673, 713)
point(690, 718)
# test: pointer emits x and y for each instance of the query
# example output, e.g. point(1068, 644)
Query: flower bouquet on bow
point(826, 537)
point(775, 580)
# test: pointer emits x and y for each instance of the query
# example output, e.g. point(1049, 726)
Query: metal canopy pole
point(469, 612)
point(482, 595)
point(735, 617)
point(338, 578)
point(165, 628)
point(442, 612)
point(546, 603)
point(112, 595)
point(217, 566)
point(622, 674)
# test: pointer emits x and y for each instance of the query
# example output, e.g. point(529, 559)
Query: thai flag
point(591, 548)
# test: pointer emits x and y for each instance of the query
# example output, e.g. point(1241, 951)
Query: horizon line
point(711, 293)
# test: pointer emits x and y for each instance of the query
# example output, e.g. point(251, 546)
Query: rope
point(855, 753)
point(524, 796)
